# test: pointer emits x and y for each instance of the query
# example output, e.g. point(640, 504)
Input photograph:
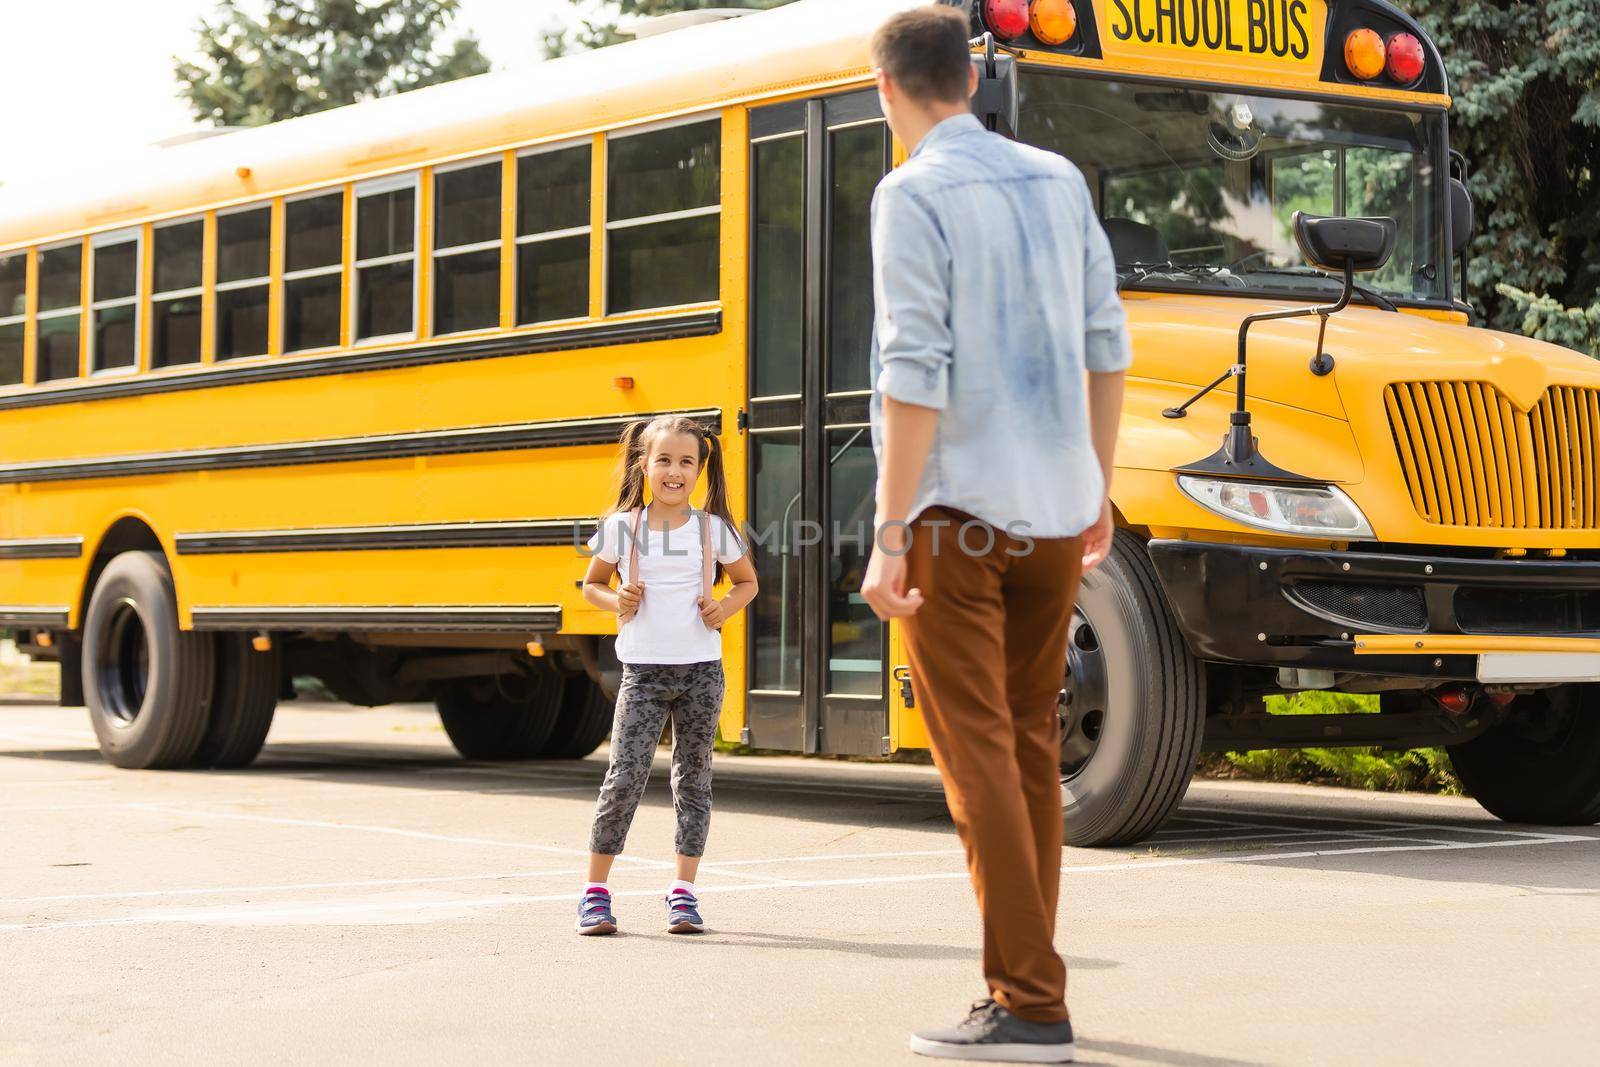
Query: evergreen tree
point(303, 56)
point(1525, 79)
point(601, 29)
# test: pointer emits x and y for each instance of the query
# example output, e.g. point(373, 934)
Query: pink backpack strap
point(708, 556)
point(633, 547)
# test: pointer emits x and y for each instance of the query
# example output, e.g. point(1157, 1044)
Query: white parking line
point(319, 824)
point(359, 910)
point(1397, 824)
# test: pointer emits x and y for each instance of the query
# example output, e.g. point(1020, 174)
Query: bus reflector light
point(1405, 58)
point(1364, 54)
point(1006, 19)
point(1053, 21)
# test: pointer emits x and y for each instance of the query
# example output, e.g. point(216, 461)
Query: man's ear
point(885, 85)
point(972, 80)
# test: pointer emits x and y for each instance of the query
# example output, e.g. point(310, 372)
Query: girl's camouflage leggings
point(692, 694)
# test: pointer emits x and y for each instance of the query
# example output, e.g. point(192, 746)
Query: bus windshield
point(1197, 188)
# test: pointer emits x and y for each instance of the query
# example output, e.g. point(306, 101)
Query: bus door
point(816, 666)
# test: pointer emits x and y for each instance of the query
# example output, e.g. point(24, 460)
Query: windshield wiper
point(1376, 299)
point(1138, 273)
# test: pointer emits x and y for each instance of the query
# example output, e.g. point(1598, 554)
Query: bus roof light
point(1405, 58)
point(1364, 54)
point(1053, 21)
point(1006, 19)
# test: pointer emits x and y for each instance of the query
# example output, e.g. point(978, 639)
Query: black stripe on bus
point(700, 324)
point(539, 618)
point(42, 618)
point(422, 535)
point(604, 430)
point(41, 548)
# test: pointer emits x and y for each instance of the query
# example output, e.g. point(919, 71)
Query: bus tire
point(147, 683)
point(1541, 763)
point(1133, 704)
point(488, 719)
point(585, 720)
point(243, 701)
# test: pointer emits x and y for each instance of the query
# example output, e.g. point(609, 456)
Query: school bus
point(338, 397)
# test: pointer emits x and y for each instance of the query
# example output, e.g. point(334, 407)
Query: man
point(995, 292)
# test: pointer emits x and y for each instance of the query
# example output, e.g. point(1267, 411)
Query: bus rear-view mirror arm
point(1331, 243)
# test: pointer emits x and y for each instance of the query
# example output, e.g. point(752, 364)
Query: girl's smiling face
point(672, 464)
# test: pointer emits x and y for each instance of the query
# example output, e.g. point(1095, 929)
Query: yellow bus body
point(547, 380)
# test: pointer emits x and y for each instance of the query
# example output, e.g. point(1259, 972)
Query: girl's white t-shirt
point(667, 627)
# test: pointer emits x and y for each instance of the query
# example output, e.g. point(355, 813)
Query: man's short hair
point(924, 51)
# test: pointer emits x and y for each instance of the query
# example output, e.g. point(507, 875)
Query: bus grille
point(1471, 459)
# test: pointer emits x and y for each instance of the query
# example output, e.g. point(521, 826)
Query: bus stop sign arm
point(1346, 245)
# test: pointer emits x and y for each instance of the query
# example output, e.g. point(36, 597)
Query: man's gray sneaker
point(991, 1032)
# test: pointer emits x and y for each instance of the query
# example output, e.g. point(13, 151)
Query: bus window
point(663, 216)
point(243, 258)
point(1182, 204)
point(553, 234)
point(858, 155)
point(114, 331)
point(777, 264)
point(1304, 181)
point(13, 315)
point(175, 305)
point(466, 247)
point(1379, 181)
point(386, 252)
point(313, 269)
point(1210, 180)
point(60, 311)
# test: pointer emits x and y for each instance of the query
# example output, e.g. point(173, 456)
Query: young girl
point(669, 645)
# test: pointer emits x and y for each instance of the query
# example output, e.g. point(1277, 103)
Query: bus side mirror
point(1461, 216)
point(1346, 245)
point(995, 102)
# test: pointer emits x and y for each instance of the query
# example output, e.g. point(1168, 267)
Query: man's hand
point(1097, 538)
point(628, 596)
point(884, 586)
point(711, 612)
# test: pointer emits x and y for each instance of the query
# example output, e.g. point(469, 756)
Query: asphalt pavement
point(362, 895)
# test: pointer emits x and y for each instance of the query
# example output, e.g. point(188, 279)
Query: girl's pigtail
point(630, 468)
point(717, 491)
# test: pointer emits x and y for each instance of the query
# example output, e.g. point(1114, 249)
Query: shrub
point(1422, 769)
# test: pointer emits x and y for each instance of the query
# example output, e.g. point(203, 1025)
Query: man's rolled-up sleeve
point(1106, 345)
point(911, 287)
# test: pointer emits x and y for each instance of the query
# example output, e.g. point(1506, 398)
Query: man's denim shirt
point(995, 290)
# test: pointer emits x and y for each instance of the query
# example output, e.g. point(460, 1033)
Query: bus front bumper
point(1374, 613)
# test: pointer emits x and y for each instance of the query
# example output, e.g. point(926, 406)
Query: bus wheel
point(501, 718)
point(1541, 764)
point(1132, 706)
point(242, 702)
point(147, 683)
point(585, 720)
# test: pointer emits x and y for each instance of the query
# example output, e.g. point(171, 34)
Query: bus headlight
point(1313, 510)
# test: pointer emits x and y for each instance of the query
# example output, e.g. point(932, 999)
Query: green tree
point(1526, 83)
point(303, 56)
point(601, 29)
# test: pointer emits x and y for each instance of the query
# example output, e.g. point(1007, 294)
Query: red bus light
point(1006, 19)
point(1405, 58)
point(1364, 54)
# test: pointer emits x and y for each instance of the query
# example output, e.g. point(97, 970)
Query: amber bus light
point(1364, 54)
point(1053, 21)
point(1006, 19)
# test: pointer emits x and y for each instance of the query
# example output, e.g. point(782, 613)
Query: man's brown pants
point(988, 648)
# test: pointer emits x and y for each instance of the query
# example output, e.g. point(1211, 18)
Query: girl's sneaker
point(594, 913)
point(683, 913)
